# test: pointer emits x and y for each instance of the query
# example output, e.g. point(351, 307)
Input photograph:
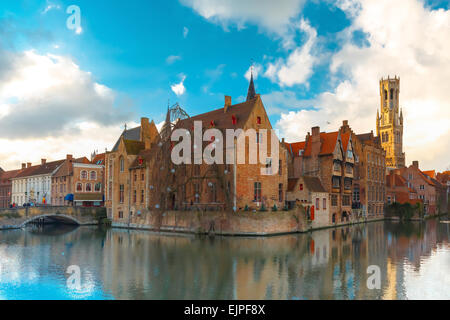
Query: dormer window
point(350, 154)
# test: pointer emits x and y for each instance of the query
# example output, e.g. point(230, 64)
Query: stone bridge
point(18, 218)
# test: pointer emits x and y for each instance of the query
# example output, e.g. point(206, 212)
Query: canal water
point(412, 261)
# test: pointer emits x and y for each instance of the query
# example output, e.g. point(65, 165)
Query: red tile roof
point(430, 173)
point(99, 157)
point(6, 175)
point(295, 147)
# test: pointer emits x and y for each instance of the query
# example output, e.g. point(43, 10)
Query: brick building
point(6, 187)
point(134, 164)
point(63, 182)
point(117, 168)
point(314, 198)
point(397, 189)
point(430, 190)
point(329, 157)
point(369, 186)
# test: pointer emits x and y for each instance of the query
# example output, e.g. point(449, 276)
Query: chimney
point(227, 103)
point(28, 164)
point(144, 121)
point(69, 157)
point(282, 141)
point(315, 131)
point(315, 141)
point(415, 164)
point(345, 123)
point(24, 165)
point(43, 161)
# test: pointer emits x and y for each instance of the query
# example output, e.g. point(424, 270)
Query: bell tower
point(390, 122)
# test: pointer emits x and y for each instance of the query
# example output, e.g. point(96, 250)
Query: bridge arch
point(60, 217)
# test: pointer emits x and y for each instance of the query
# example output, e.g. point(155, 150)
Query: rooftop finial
point(251, 88)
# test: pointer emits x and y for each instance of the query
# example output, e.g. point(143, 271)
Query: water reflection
point(328, 264)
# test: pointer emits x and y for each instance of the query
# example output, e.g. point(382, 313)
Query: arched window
point(93, 175)
point(392, 94)
point(98, 187)
point(385, 94)
point(83, 175)
point(122, 164)
point(88, 187)
point(79, 187)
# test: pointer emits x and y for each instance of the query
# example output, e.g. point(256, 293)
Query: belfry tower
point(390, 122)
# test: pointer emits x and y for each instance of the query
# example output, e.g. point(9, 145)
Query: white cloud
point(185, 32)
point(172, 59)
point(49, 107)
point(257, 69)
point(271, 16)
point(179, 88)
point(51, 6)
point(298, 67)
point(405, 39)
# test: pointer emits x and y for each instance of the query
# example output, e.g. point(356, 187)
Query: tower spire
point(251, 88)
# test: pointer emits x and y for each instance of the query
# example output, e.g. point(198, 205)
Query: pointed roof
point(251, 89)
point(131, 134)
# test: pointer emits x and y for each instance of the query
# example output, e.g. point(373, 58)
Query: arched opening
point(51, 219)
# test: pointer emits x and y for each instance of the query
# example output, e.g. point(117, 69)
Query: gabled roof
point(430, 173)
point(131, 134)
point(295, 147)
point(47, 167)
point(328, 143)
point(27, 172)
point(426, 178)
point(222, 119)
point(313, 184)
point(292, 182)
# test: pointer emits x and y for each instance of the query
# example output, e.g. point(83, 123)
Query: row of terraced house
point(66, 182)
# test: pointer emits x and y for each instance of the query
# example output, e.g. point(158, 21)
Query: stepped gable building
point(330, 157)
point(389, 122)
point(117, 164)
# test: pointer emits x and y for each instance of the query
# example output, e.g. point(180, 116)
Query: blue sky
point(307, 55)
point(125, 45)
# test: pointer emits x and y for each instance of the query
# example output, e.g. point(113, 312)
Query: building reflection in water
point(326, 264)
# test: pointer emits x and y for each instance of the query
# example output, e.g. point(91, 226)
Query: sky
point(71, 90)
